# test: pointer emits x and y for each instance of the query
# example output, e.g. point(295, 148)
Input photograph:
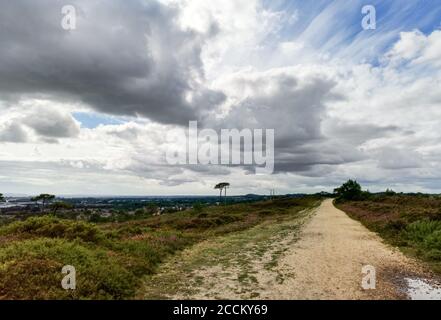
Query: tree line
point(46, 200)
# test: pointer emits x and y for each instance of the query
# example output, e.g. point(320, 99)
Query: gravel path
point(327, 262)
point(319, 255)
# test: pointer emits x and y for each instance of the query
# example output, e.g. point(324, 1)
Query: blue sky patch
point(92, 120)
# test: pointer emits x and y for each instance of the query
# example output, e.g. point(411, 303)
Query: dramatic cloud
point(50, 123)
point(293, 102)
point(124, 57)
point(88, 110)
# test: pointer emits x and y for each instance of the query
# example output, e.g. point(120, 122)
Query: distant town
point(110, 209)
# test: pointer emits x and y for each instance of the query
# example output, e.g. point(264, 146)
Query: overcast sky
point(86, 111)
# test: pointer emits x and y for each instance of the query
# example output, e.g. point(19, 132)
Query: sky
point(87, 110)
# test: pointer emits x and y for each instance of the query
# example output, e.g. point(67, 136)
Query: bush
point(52, 227)
point(32, 264)
point(389, 192)
point(198, 207)
point(350, 190)
point(419, 231)
point(426, 236)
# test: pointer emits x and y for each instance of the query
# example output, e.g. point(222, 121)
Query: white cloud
point(417, 48)
point(336, 114)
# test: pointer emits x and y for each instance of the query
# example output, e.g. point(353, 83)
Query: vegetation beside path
point(111, 259)
point(238, 265)
point(411, 222)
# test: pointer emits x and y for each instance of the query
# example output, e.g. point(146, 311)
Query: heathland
point(113, 259)
point(281, 248)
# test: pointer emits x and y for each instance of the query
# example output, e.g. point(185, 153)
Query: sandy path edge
point(327, 261)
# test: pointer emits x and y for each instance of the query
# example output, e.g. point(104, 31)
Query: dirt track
point(319, 256)
point(327, 261)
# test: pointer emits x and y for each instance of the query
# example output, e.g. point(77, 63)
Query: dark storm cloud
point(357, 133)
point(46, 124)
point(51, 124)
point(294, 106)
point(306, 159)
point(291, 105)
point(124, 58)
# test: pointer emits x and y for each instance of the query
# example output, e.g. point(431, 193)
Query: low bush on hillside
point(52, 227)
point(31, 269)
point(111, 258)
point(426, 237)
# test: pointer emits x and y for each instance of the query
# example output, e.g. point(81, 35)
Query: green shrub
point(52, 227)
point(433, 240)
point(420, 230)
point(198, 207)
point(425, 235)
point(31, 278)
point(37, 263)
point(350, 190)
